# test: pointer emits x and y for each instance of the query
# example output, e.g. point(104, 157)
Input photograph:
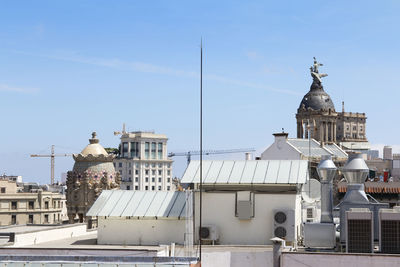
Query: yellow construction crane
point(51, 156)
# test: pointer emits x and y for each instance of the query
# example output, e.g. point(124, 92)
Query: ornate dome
point(317, 99)
point(94, 159)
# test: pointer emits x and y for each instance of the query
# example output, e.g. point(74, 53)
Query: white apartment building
point(143, 162)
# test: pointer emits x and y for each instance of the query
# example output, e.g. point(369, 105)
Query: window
point(13, 219)
point(159, 188)
point(169, 180)
point(120, 164)
point(169, 165)
point(3, 190)
point(159, 179)
point(128, 187)
point(30, 219)
point(136, 179)
point(153, 165)
point(146, 188)
point(147, 165)
point(347, 128)
point(159, 165)
point(168, 188)
point(168, 172)
point(160, 150)
point(146, 172)
point(31, 205)
point(153, 179)
point(137, 165)
point(46, 205)
point(46, 218)
point(153, 172)
point(153, 150)
point(129, 172)
point(134, 149)
point(125, 150)
point(159, 172)
point(147, 150)
point(152, 188)
point(136, 172)
point(147, 179)
point(136, 187)
point(354, 128)
point(13, 205)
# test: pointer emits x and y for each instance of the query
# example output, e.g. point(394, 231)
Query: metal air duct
point(327, 171)
point(355, 172)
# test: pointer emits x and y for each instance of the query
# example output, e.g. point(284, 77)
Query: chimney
point(248, 156)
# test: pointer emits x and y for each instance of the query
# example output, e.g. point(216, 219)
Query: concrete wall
point(219, 210)
point(231, 258)
point(47, 235)
point(338, 259)
point(124, 231)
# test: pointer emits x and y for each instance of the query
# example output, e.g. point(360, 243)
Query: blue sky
point(68, 68)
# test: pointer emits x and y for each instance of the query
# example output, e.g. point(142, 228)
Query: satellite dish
point(311, 191)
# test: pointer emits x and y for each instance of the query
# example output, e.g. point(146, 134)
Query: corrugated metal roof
point(337, 151)
point(314, 148)
point(247, 172)
point(139, 204)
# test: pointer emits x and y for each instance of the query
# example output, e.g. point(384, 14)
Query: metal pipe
point(327, 171)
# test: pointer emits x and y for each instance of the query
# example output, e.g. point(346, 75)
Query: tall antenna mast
point(201, 140)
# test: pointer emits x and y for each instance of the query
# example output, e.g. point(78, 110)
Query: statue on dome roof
point(315, 73)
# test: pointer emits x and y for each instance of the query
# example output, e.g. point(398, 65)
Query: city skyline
point(69, 69)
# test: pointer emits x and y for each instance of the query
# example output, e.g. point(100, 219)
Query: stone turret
point(93, 172)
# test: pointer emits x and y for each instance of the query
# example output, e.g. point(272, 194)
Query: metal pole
point(52, 165)
point(201, 140)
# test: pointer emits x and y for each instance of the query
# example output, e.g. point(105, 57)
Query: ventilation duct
point(327, 171)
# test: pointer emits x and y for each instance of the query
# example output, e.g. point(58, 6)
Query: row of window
point(56, 218)
point(147, 188)
point(147, 165)
point(153, 179)
point(152, 150)
point(31, 205)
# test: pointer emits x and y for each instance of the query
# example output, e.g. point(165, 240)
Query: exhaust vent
point(284, 224)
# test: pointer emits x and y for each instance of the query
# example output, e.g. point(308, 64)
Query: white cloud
point(7, 88)
point(117, 63)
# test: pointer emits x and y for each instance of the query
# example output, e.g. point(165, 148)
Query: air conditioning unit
point(284, 224)
point(389, 230)
point(209, 233)
point(359, 230)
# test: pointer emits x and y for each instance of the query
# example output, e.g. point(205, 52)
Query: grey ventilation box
point(389, 231)
point(359, 230)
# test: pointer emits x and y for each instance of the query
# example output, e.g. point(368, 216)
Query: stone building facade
point(40, 207)
point(317, 117)
point(93, 172)
point(143, 162)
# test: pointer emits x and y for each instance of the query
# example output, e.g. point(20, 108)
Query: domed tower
point(93, 172)
point(316, 114)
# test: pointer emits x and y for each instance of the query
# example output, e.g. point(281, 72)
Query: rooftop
point(140, 204)
point(247, 172)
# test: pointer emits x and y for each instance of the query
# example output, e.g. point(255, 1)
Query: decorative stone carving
point(93, 172)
